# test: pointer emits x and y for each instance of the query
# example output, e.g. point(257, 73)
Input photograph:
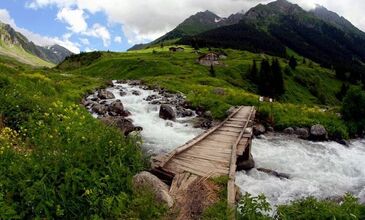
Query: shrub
point(353, 110)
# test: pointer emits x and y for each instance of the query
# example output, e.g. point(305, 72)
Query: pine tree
point(212, 71)
point(278, 80)
point(253, 73)
point(293, 62)
point(264, 78)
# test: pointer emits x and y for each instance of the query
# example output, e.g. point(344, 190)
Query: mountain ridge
point(17, 45)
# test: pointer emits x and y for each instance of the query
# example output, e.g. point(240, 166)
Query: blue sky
point(85, 25)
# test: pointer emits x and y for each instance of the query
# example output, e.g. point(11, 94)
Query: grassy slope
point(301, 105)
point(56, 161)
point(22, 56)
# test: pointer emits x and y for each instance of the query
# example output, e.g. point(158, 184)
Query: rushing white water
point(159, 136)
point(323, 170)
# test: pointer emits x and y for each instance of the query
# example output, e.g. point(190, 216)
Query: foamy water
point(159, 136)
point(323, 170)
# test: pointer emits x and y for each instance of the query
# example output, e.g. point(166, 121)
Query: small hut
point(209, 59)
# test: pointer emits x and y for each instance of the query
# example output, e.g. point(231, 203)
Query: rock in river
point(104, 94)
point(318, 133)
point(167, 113)
point(117, 107)
point(125, 125)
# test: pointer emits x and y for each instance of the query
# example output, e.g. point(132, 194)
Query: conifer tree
point(253, 73)
point(212, 71)
point(293, 62)
point(277, 80)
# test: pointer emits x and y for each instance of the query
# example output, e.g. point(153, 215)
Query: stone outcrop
point(104, 94)
point(145, 180)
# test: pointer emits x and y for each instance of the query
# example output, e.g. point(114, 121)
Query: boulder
point(289, 131)
point(104, 94)
point(318, 133)
point(246, 164)
point(99, 109)
point(167, 113)
point(109, 83)
point(302, 133)
point(135, 92)
point(343, 142)
point(125, 125)
point(202, 123)
point(258, 129)
point(122, 93)
point(145, 180)
point(208, 114)
point(117, 107)
point(270, 129)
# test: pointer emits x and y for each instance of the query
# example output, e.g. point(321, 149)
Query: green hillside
point(21, 55)
point(309, 89)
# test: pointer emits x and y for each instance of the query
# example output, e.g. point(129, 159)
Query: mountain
point(195, 24)
point(14, 44)
point(335, 19)
point(315, 35)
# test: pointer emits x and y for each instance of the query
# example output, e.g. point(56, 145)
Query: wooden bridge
point(214, 153)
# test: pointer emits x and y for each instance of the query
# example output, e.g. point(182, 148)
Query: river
point(323, 170)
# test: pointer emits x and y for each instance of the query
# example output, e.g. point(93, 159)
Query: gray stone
point(104, 94)
point(145, 180)
point(99, 109)
point(318, 133)
point(136, 93)
point(167, 113)
point(246, 164)
point(259, 129)
point(289, 130)
point(270, 129)
point(302, 133)
point(117, 107)
point(125, 125)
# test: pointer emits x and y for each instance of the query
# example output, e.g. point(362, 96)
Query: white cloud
point(37, 38)
point(75, 18)
point(145, 20)
point(118, 39)
point(99, 31)
point(6, 18)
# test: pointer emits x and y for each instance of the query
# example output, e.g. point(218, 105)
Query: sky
point(116, 25)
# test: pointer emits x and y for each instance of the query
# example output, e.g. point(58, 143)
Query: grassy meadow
point(310, 95)
point(57, 161)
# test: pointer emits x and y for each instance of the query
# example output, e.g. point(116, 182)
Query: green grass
point(309, 88)
point(21, 55)
point(56, 160)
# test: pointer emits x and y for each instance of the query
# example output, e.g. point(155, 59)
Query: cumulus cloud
point(146, 20)
point(99, 31)
point(37, 38)
point(75, 18)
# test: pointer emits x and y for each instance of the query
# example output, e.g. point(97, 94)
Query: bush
point(353, 110)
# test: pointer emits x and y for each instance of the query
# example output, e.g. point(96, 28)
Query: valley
point(77, 131)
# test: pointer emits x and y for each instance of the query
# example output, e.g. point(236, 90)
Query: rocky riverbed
point(165, 120)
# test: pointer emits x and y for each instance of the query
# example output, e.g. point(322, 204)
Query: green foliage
point(311, 208)
point(253, 208)
point(57, 161)
point(353, 110)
